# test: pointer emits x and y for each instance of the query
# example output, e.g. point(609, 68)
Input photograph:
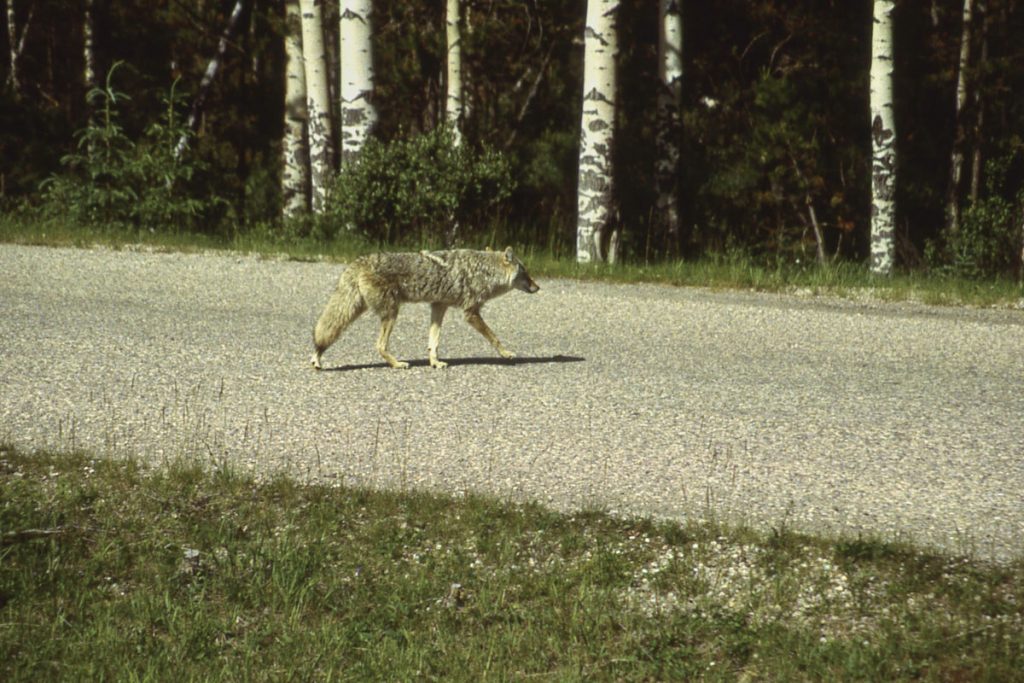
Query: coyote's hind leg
point(386, 325)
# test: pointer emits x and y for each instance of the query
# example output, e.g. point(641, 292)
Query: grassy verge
point(108, 571)
point(18, 230)
point(845, 280)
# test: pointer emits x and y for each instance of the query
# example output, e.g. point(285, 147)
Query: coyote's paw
point(439, 364)
point(315, 362)
point(505, 353)
point(400, 365)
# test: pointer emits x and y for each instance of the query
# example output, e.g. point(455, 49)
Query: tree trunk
point(358, 114)
point(453, 103)
point(597, 128)
point(819, 236)
point(318, 102)
point(530, 95)
point(211, 73)
point(883, 137)
point(956, 164)
point(670, 72)
point(812, 214)
point(979, 106)
point(295, 155)
point(16, 44)
point(1021, 276)
point(88, 51)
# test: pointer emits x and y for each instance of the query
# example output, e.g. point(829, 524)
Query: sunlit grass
point(841, 279)
point(109, 571)
point(723, 271)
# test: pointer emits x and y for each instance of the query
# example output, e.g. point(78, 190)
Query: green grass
point(109, 571)
point(733, 271)
point(19, 230)
point(841, 279)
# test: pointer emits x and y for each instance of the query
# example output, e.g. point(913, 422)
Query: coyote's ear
point(509, 256)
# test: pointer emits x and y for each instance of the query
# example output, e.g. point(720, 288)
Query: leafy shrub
point(988, 243)
point(424, 188)
point(112, 179)
point(985, 245)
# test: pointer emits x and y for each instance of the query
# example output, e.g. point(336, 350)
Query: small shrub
point(985, 245)
point(92, 192)
point(114, 180)
point(424, 188)
point(988, 243)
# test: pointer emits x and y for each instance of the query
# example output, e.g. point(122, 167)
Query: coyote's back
point(382, 282)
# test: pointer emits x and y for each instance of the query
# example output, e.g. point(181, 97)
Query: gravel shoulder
point(897, 420)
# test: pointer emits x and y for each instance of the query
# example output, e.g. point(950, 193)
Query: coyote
point(382, 282)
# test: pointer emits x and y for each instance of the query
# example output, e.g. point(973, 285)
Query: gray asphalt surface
point(901, 420)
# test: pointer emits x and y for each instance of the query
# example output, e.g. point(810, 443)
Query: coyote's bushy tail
point(345, 305)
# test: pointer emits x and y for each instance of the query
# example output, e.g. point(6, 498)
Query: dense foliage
point(420, 189)
point(774, 112)
point(112, 179)
point(990, 234)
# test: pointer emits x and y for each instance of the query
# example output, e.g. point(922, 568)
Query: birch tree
point(295, 157)
point(16, 43)
point(883, 138)
point(956, 164)
point(208, 76)
point(88, 51)
point(453, 103)
point(670, 75)
point(358, 114)
point(318, 101)
point(597, 128)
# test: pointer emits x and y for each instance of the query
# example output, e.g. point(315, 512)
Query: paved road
point(897, 420)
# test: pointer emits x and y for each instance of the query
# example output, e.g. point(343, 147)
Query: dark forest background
point(775, 114)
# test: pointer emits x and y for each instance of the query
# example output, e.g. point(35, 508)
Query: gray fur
point(383, 282)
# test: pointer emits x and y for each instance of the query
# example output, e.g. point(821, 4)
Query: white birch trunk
point(597, 128)
point(670, 73)
point(88, 52)
point(956, 165)
point(16, 43)
point(883, 137)
point(12, 43)
point(358, 114)
point(207, 81)
point(295, 157)
point(318, 102)
point(453, 103)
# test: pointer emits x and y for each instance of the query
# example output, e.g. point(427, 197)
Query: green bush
point(114, 180)
point(425, 189)
point(988, 243)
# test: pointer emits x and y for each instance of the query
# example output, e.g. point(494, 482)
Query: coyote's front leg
point(437, 312)
point(478, 324)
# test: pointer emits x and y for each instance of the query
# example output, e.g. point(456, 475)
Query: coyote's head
point(518, 276)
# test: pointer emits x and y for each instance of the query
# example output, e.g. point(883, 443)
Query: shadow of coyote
point(383, 282)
